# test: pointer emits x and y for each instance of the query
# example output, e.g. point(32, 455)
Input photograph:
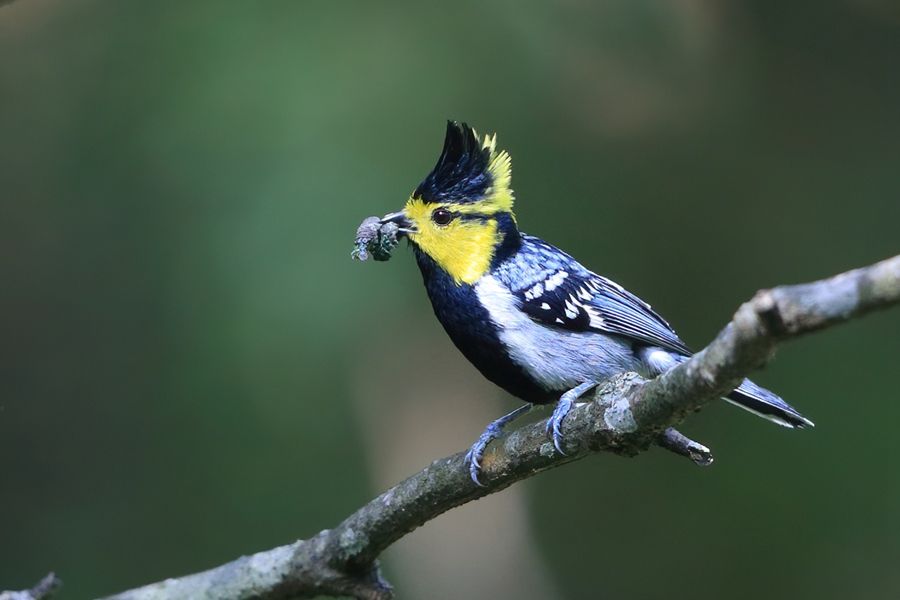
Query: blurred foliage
point(180, 186)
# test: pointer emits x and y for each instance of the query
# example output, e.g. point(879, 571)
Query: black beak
point(400, 220)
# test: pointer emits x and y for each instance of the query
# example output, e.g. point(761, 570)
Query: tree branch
point(45, 588)
point(626, 416)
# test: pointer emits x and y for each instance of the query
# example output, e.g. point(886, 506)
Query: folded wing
point(573, 298)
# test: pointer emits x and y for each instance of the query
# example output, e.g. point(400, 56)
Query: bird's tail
point(748, 396)
point(767, 405)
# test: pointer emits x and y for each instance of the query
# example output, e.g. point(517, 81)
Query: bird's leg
point(491, 433)
point(566, 401)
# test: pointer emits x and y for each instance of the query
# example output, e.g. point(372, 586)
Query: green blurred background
point(193, 368)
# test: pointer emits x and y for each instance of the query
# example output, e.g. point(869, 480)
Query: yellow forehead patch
point(462, 248)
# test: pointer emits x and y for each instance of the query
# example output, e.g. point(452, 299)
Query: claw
point(566, 401)
point(473, 459)
point(554, 424)
point(491, 432)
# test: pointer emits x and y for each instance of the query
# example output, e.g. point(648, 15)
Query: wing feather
point(575, 305)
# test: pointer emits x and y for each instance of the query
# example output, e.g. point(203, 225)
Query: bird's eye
point(442, 216)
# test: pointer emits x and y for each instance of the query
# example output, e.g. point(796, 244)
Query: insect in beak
point(399, 219)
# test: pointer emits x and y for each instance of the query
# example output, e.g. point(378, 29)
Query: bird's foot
point(476, 452)
point(566, 402)
point(490, 433)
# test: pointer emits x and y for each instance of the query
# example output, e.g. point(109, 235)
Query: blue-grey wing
point(626, 314)
point(576, 303)
point(566, 295)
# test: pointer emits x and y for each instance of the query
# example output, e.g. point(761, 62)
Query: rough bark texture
point(45, 588)
point(625, 416)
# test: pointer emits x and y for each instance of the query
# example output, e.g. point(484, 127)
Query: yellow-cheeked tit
point(530, 317)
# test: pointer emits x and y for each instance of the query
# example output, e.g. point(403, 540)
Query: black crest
point(461, 173)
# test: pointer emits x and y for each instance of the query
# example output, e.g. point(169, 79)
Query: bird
point(527, 315)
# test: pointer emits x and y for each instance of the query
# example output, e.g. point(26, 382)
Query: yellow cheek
point(464, 249)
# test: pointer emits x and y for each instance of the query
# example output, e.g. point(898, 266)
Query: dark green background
point(184, 341)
